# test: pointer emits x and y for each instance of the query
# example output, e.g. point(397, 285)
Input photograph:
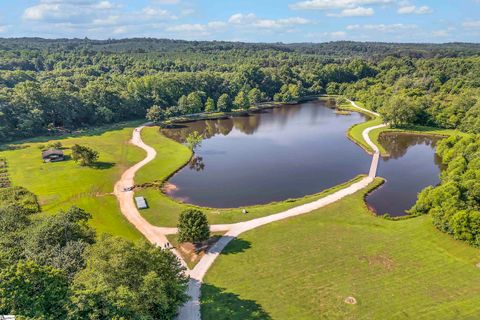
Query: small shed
point(53, 155)
point(141, 203)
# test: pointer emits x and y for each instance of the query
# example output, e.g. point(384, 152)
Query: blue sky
point(245, 20)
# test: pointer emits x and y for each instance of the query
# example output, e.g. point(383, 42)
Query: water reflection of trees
point(247, 124)
point(197, 164)
point(397, 144)
point(207, 128)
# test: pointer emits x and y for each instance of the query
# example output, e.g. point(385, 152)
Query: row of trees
point(55, 267)
point(455, 204)
point(436, 92)
point(67, 86)
point(87, 87)
point(442, 93)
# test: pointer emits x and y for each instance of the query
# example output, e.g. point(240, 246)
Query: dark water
point(282, 153)
point(412, 166)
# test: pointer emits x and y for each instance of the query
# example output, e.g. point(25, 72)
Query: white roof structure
point(141, 203)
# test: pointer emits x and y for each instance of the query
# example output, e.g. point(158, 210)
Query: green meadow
point(63, 184)
point(305, 267)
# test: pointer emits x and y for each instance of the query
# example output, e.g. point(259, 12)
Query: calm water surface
point(281, 153)
point(293, 151)
point(412, 166)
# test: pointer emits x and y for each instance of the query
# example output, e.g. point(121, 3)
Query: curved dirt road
point(191, 309)
point(156, 235)
point(126, 201)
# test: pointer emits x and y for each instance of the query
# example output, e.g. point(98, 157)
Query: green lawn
point(355, 131)
point(170, 157)
point(63, 184)
point(304, 268)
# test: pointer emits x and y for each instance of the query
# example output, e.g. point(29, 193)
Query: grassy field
point(63, 184)
point(304, 268)
point(163, 211)
point(355, 132)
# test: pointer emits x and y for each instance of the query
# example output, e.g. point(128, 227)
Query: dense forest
point(55, 267)
point(51, 86)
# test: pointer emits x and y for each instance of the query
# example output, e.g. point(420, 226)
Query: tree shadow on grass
point(217, 304)
point(103, 165)
point(234, 245)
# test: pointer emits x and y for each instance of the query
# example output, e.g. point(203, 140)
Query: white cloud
point(98, 17)
point(338, 34)
point(353, 12)
point(108, 21)
point(197, 28)
point(411, 9)
point(66, 10)
point(324, 36)
point(440, 33)
point(189, 28)
point(382, 27)
point(158, 13)
point(216, 24)
point(335, 4)
point(241, 23)
point(251, 19)
point(471, 24)
point(120, 30)
point(104, 5)
point(240, 18)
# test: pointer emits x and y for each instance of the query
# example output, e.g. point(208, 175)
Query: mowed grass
point(304, 268)
point(171, 156)
point(63, 184)
point(355, 132)
point(164, 211)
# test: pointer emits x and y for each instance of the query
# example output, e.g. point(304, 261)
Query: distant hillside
point(369, 50)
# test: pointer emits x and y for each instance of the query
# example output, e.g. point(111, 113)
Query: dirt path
point(157, 235)
point(191, 310)
point(125, 198)
point(366, 136)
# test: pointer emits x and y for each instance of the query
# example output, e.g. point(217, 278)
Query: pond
point(412, 166)
point(296, 150)
point(280, 153)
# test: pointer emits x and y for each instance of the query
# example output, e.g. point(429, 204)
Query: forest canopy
point(48, 86)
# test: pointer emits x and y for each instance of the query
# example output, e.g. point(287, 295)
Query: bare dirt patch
point(350, 300)
point(193, 253)
point(169, 187)
point(379, 261)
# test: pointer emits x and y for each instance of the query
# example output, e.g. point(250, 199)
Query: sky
point(287, 21)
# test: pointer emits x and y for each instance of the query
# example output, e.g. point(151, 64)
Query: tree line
point(49, 87)
point(455, 204)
